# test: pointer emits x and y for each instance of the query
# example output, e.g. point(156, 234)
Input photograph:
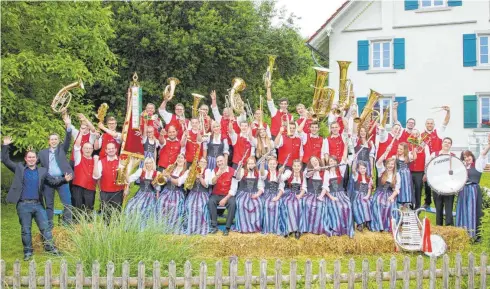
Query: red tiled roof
point(328, 21)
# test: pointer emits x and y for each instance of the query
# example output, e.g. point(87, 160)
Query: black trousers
point(109, 203)
point(479, 210)
point(82, 198)
point(213, 205)
point(417, 180)
point(444, 203)
point(428, 194)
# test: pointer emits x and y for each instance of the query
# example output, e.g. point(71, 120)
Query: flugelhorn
point(63, 97)
point(195, 104)
point(270, 68)
point(168, 92)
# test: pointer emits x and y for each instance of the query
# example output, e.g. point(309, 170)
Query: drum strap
point(426, 243)
point(392, 227)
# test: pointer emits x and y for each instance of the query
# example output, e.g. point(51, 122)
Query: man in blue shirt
point(26, 191)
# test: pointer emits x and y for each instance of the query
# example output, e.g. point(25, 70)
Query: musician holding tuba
point(176, 119)
point(417, 145)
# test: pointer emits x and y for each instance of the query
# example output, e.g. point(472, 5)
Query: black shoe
point(27, 257)
point(226, 232)
point(359, 228)
point(477, 240)
point(213, 231)
point(297, 235)
point(54, 252)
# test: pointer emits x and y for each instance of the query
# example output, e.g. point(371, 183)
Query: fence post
point(16, 284)
point(365, 273)
point(459, 261)
point(379, 273)
point(248, 274)
point(393, 272)
point(171, 274)
point(203, 275)
point(471, 271)
point(483, 270)
point(406, 273)
point(47, 274)
point(125, 275)
point(187, 275)
point(263, 274)
point(218, 279)
point(323, 274)
point(32, 275)
point(141, 275)
point(3, 270)
point(95, 275)
point(157, 283)
point(278, 274)
point(432, 273)
point(233, 273)
point(63, 275)
point(293, 274)
point(445, 271)
point(352, 273)
point(79, 276)
point(420, 272)
point(308, 276)
point(110, 275)
point(336, 274)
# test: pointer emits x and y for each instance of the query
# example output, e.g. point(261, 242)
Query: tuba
point(344, 84)
point(365, 118)
point(268, 74)
point(322, 96)
point(63, 97)
point(195, 104)
point(234, 98)
point(169, 91)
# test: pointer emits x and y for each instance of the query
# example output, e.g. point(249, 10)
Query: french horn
point(63, 97)
point(169, 91)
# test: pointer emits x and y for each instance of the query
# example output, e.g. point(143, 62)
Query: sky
point(313, 13)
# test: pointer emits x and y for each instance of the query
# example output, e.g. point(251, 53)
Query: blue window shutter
point(470, 111)
point(361, 103)
point(402, 109)
point(362, 55)
point(454, 3)
point(469, 50)
point(411, 4)
point(399, 53)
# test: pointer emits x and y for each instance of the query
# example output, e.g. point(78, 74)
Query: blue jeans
point(65, 196)
point(26, 212)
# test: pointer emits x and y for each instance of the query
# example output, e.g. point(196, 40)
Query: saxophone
point(160, 178)
point(193, 171)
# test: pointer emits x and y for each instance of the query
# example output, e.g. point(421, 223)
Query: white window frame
point(480, 98)
point(381, 42)
point(432, 4)
point(478, 54)
point(382, 109)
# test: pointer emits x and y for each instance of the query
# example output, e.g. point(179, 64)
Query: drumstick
point(450, 165)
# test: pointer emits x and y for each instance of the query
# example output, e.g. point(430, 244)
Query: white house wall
point(434, 74)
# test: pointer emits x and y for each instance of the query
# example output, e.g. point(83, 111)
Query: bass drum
point(446, 174)
point(439, 247)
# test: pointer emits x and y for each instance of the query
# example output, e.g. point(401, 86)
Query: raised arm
point(5, 153)
point(67, 141)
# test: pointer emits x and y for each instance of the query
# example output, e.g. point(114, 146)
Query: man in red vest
point(83, 185)
point(192, 142)
point(407, 131)
point(256, 124)
point(171, 148)
point(277, 116)
point(105, 170)
point(204, 113)
point(289, 147)
point(177, 120)
point(242, 144)
point(303, 114)
point(417, 167)
point(313, 144)
point(110, 136)
point(151, 118)
point(433, 138)
point(388, 138)
point(87, 130)
point(222, 194)
point(334, 144)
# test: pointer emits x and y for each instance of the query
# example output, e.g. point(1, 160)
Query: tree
point(45, 46)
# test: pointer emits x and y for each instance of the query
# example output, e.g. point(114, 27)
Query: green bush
point(7, 178)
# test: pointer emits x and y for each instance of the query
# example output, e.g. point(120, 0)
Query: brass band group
point(281, 178)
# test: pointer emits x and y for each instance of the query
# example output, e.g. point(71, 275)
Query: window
point(432, 3)
point(382, 105)
point(483, 55)
point(484, 110)
point(381, 54)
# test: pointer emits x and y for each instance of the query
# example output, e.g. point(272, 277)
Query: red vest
point(404, 137)
point(191, 147)
point(143, 175)
point(290, 145)
point(306, 128)
point(223, 183)
point(176, 123)
point(224, 128)
point(419, 164)
point(256, 128)
point(383, 146)
point(432, 140)
point(150, 122)
point(207, 124)
point(83, 174)
point(242, 145)
point(341, 124)
point(109, 174)
point(336, 147)
point(276, 122)
point(312, 147)
point(85, 139)
point(169, 153)
point(106, 139)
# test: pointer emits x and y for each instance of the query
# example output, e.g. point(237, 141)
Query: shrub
point(485, 228)
point(7, 178)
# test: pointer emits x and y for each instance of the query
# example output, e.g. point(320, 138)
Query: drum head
point(438, 246)
point(446, 174)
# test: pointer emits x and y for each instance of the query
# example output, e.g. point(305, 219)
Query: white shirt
point(99, 166)
point(207, 180)
point(74, 134)
point(328, 176)
point(77, 155)
point(217, 115)
point(381, 169)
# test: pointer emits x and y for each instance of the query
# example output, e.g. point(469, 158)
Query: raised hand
point(446, 108)
point(66, 119)
point(7, 140)
point(213, 95)
point(96, 159)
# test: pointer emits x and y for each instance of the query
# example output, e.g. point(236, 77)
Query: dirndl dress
point(248, 217)
point(270, 214)
point(339, 211)
point(214, 150)
point(469, 205)
point(149, 151)
point(170, 209)
point(196, 210)
point(290, 209)
point(406, 194)
point(382, 208)
point(142, 205)
point(361, 207)
point(363, 156)
point(314, 217)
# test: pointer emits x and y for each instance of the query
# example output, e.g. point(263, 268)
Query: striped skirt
point(340, 215)
point(141, 206)
point(211, 163)
point(466, 208)
point(352, 182)
point(382, 210)
point(290, 210)
point(170, 210)
point(197, 213)
point(248, 213)
point(270, 214)
point(406, 194)
point(362, 208)
point(314, 216)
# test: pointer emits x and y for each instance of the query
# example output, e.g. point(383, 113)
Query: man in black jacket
point(55, 161)
point(26, 191)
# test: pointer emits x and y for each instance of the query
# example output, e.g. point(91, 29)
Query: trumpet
point(169, 91)
point(63, 97)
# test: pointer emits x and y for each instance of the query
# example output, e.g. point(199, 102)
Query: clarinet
point(240, 163)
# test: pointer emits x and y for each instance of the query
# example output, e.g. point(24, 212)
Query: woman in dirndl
point(150, 143)
point(272, 180)
point(264, 146)
point(314, 217)
point(290, 206)
point(469, 205)
point(170, 207)
point(406, 197)
point(361, 200)
point(384, 198)
point(248, 215)
point(364, 151)
point(339, 207)
point(196, 203)
point(142, 205)
point(216, 145)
